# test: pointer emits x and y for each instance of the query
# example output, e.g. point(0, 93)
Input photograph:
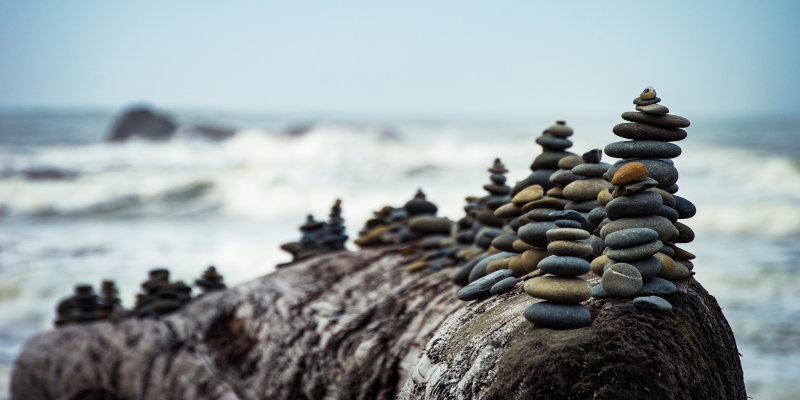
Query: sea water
point(77, 209)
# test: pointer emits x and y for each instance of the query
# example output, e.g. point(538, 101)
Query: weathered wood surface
point(358, 326)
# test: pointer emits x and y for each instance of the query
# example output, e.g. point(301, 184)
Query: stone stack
point(652, 130)
point(84, 306)
point(562, 289)
point(211, 280)
point(376, 231)
point(563, 177)
point(554, 142)
point(160, 296)
point(335, 236)
point(111, 305)
point(582, 192)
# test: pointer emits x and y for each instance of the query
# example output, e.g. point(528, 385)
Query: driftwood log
point(359, 326)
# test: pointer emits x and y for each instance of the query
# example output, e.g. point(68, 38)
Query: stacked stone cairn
point(318, 237)
point(110, 303)
point(211, 280)
point(83, 306)
point(335, 236)
point(562, 289)
point(554, 142)
point(652, 130)
point(160, 296)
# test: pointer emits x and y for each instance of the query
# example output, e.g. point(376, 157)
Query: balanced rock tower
point(554, 142)
point(160, 296)
point(211, 280)
point(83, 306)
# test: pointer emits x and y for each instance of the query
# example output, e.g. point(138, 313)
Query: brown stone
point(531, 258)
point(519, 246)
point(667, 266)
point(585, 189)
point(562, 289)
point(497, 265)
point(544, 202)
point(681, 254)
point(416, 266)
point(515, 265)
point(570, 162)
point(507, 211)
point(604, 197)
point(599, 264)
point(629, 173)
point(556, 191)
point(527, 195)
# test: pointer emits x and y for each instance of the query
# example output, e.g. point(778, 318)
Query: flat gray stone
point(567, 234)
point(636, 252)
point(634, 205)
point(480, 268)
point(657, 287)
point(653, 109)
point(621, 280)
point(553, 142)
point(482, 287)
point(564, 265)
point(504, 285)
point(591, 170)
point(653, 303)
point(663, 226)
point(642, 149)
point(648, 267)
point(667, 120)
point(550, 315)
point(630, 237)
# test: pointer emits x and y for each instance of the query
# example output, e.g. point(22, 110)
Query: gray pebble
point(654, 303)
point(545, 314)
point(482, 287)
point(504, 286)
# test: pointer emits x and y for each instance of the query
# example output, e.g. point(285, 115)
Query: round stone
point(597, 215)
point(662, 170)
point(429, 225)
point(519, 246)
point(504, 242)
point(461, 276)
point(556, 191)
point(598, 292)
point(564, 177)
point(570, 162)
point(507, 211)
point(566, 234)
point(549, 159)
point(685, 233)
point(641, 102)
point(629, 173)
point(591, 170)
point(667, 120)
point(531, 258)
point(668, 251)
point(604, 197)
point(582, 206)
point(635, 253)
point(666, 198)
point(668, 213)
point(485, 236)
point(482, 287)
point(657, 223)
point(558, 316)
point(527, 195)
point(564, 266)
point(648, 267)
point(684, 207)
point(634, 205)
point(630, 237)
point(668, 268)
point(642, 149)
point(503, 286)
point(622, 280)
point(672, 189)
point(562, 289)
point(631, 130)
point(657, 287)
point(653, 303)
point(570, 248)
point(648, 93)
point(653, 109)
point(560, 129)
point(585, 189)
point(535, 233)
point(553, 142)
point(598, 265)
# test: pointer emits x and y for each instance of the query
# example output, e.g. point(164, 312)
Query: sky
point(412, 58)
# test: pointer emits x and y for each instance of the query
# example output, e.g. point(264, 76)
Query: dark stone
point(621, 280)
point(461, 276)
point(684, 207)
point(498, 179)
point(597, 215)
point(563, 177)
point(656, 109)
point(648, 267)
point(497, 189)
point(482, 287)
point(672, 189)
point(430, 225)
point(553, 143)
point(503, 286)
point(642, 102)
point(661, 170)
point(568, 223)
point(480, 268)
point(634, 205)
point(568, 214)
point(564, 265)
point(535, 233)
point(567, 234)
point(657, 287)
point(550, 315)
point(630, 130)
point(667, 120)
point(503, 242)
point(549, 159)
point(485, 236)
point(569, 248)
point(630, 238)
point(636, 252)
point(142, 122)
point(591, 170)
point(668, 213)
point(598, 292)
point(685, 233)
point(668, 251)
point(597, 245)
point(657, 223)
point(653, 303)
point(592, 156)
point(541, 214)
point(642, 149)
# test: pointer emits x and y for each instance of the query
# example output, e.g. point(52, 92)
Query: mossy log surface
point(359, 326)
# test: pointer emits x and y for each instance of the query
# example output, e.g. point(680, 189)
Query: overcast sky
point(482, 58)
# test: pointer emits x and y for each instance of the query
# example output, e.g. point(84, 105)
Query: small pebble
point(653, 303)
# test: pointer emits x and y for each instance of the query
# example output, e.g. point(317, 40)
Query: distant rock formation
point(142, 122)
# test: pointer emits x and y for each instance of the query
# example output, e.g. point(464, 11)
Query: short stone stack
point(554, 142)
point(312, 232)
point(160, 296)
point(111, 304)
point(563, 177)
point(582, 192)
point(335, 236)
point(376, 231)
point(562, 289)
point(83, 306)
point(211, 280)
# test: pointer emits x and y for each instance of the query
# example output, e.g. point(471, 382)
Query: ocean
point(77, 209)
